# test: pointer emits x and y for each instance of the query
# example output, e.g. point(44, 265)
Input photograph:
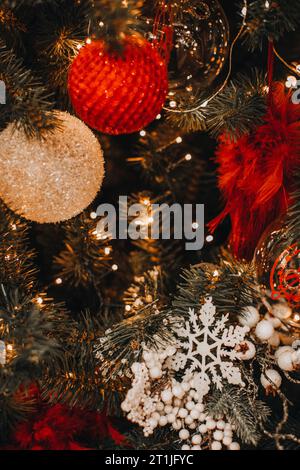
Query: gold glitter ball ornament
point(54, 179)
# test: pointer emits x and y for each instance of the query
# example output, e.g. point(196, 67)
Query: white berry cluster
point(177, 405)
point(142, 405)
point(210, 434)
point(266, 330)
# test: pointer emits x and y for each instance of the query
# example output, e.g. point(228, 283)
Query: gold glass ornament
point(277, 261)
point(201, 42)
point(54, 179)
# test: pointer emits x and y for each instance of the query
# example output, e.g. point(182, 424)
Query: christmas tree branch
point(28, 101)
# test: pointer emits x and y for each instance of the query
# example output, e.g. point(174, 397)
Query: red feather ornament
point(256, 173)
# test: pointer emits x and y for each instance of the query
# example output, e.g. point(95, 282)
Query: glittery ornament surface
point(54, 179)
point(118, 93)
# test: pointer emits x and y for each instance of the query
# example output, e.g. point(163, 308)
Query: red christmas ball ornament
point(118, 92)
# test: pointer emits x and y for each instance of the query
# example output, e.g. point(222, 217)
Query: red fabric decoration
point(256, 173)
point(61, 428)
point(118, 93)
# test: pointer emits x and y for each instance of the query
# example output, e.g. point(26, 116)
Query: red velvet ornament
point(256, 173)
point(118, 92)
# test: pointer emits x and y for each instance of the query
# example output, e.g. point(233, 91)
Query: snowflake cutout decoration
point(207, 346)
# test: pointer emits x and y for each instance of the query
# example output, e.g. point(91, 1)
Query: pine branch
point(241, 410)
point(60, 28)
point(123, 343)
point(28, 320)
point(86, 257)
point(240, 108)
point(269, 20)
point(13, 409)
point(169, 163)
point(232, 285)
point(9, 21)
point(145, 290)
point(236, 110)
point(28, 102)
point(112, 20)
point(189, 115)
point(73, 378)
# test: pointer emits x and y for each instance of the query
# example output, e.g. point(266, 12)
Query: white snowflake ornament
point(207, 348)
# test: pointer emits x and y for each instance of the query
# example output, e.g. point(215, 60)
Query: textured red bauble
point(118, 92)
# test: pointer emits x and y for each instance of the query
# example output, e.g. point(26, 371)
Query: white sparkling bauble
point(275, 321)
point(193, 425)
point(185, 447)
point(160, 406)
point(171, 418)
point(177, 425)
point(190, 405)
point(264, 330)
point(52, 179)
point(282, 350)
point(136, 367)
point(234, 446)
point(285, 361)
point(249, 317)
point(246, 351)
point(218, 435)
point(203, 428)
point(271, 379)
point(155, 372)
point(216, 445)
point(163, 421)
point(177, 402)
point(282, 311)
point(155, 415)
point(168, 409)
point(196, 439)
point(166, 396)
point(188, 420)
point(182, 413)
point(178, 391)
point(199, 407)
point(211, 424)
point(184, 434)
point(221, 425)
point(195, 413)
point(185, 386)
point(227, 440)
point(152, 423)
point(274, 340)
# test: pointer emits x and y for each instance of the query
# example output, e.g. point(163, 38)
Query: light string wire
point(289, 66)
point(224, 84)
